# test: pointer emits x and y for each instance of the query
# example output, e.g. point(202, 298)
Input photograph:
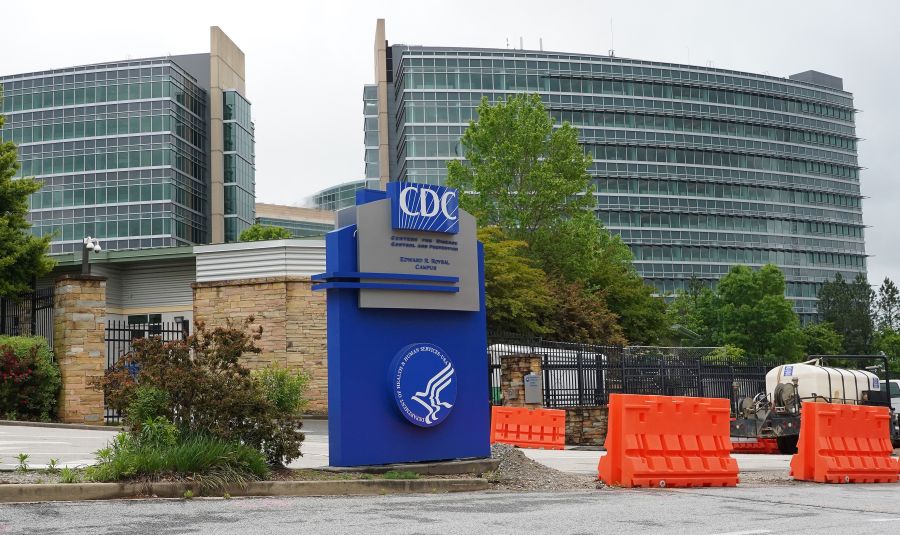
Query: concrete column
point(79, 324)
point(513, 369)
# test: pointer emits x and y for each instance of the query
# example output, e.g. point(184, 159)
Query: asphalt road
point(857, 509)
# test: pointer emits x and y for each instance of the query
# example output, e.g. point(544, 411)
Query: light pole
point(89, 245)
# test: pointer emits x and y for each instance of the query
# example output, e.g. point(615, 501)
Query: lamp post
point(89, 245)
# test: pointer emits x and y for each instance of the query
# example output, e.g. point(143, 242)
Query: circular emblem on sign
point(423, 381)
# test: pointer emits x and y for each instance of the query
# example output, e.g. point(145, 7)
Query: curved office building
point(696, 168)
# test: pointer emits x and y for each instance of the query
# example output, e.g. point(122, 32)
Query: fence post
point(3, 301)
point(78, 341)
point(700, 377)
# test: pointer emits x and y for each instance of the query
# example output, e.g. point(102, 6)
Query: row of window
point(596, 135)
point(601, 103)
point(107, 229)
point(537, 82)
point(120, 245)
point(807, 290)
point(299, 229)
point(729, 191)
point(738, 239)
point(238, 139)
point(61, 198)
point(719, 159)
point(543, 62)
point(89, 128)
point(66, 78)
point(677, 270)
point(192, 99)
point(745, 256)
point(711, 206)
point(726, 222)
point(701, 126)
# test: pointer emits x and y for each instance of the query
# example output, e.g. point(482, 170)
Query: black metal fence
point(576, 374)
point(120, 335)
point(28, 314)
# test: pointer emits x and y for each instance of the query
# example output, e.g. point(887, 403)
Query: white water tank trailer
point(812, 382)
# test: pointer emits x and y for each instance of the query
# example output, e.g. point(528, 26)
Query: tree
point(685, 314)
point(23, 256)
point(822, 339)
point(887, 306)
point(848, 306)
point(257, 232)
point(888, 342)
point(752, 313)
point(521, 174)
point(530, 180)
point(580, 315)
point(518, 295)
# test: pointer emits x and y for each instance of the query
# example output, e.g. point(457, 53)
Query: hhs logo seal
point(424, 384)
point(423, 207)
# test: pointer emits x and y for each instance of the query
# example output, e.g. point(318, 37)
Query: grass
point(68, 475)
point(23, 462)
point(211, 462)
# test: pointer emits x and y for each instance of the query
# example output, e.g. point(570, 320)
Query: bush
point(209, 392)
point(29, 379)
point(212, 462)
point(146, 403)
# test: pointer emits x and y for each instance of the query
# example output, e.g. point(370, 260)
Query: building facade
point(341, 195)
point(141, 153)
point(302, 222)
point(696, 168)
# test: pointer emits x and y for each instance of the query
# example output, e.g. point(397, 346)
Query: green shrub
point(210, 392)
point(159, 432)
point(146, 403)
point(212, 462)
point(284, 388)
point(29, 378)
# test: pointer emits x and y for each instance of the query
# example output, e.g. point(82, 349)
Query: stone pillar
point(292, 319)
point(79, 325)
point(513, 369)
point(586, 426)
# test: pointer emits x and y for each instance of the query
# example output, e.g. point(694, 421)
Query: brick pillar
point(292, 318)
point(513, 369)
point(586, 426)
point(78, 331)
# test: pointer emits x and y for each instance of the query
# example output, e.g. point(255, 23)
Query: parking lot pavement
point(315, 445)
point(585, 462)
point(72, 447)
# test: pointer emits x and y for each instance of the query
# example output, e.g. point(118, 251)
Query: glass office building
point(125, 150)
point(696, 168)
point(342, 195)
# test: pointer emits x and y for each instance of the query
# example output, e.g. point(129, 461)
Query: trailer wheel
point(787, 445)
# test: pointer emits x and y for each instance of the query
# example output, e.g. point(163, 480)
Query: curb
point(443, 468)
point(19, 493)
point(63, 426)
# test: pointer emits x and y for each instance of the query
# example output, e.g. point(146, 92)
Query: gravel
point(518, 472)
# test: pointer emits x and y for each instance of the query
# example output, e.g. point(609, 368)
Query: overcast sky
point(307, 63)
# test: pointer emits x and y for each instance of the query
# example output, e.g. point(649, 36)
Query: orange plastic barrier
point(759, 445)
point(538, 428)
point(661, 441)
point(844, 444)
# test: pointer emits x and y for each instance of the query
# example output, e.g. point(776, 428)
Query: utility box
point(533, 392)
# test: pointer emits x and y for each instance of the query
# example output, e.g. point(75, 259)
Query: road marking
point(748, 532)
point(883, 520)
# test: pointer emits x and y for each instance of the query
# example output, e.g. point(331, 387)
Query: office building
point(140, 153)
point(696, 168)
point(302, 222)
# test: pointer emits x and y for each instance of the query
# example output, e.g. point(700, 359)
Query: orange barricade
point(844, 444)
point(756, 445)
point(539, 428)
point(662, 441)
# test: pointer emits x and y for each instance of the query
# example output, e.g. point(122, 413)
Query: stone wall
point(513, 369)
point(78, 343)
point(586, 426)
point(292, 319)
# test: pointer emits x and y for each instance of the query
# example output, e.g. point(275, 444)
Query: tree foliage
point(23, 256)
point(522, 174)
point(257, 232)
point(822, 339)
point(747, 310)
point(518, 295)
point(887, 306)
point(848, 306)
point(580, 315)
point(530, 180)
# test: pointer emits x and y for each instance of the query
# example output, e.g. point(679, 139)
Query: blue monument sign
point(407, 346)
